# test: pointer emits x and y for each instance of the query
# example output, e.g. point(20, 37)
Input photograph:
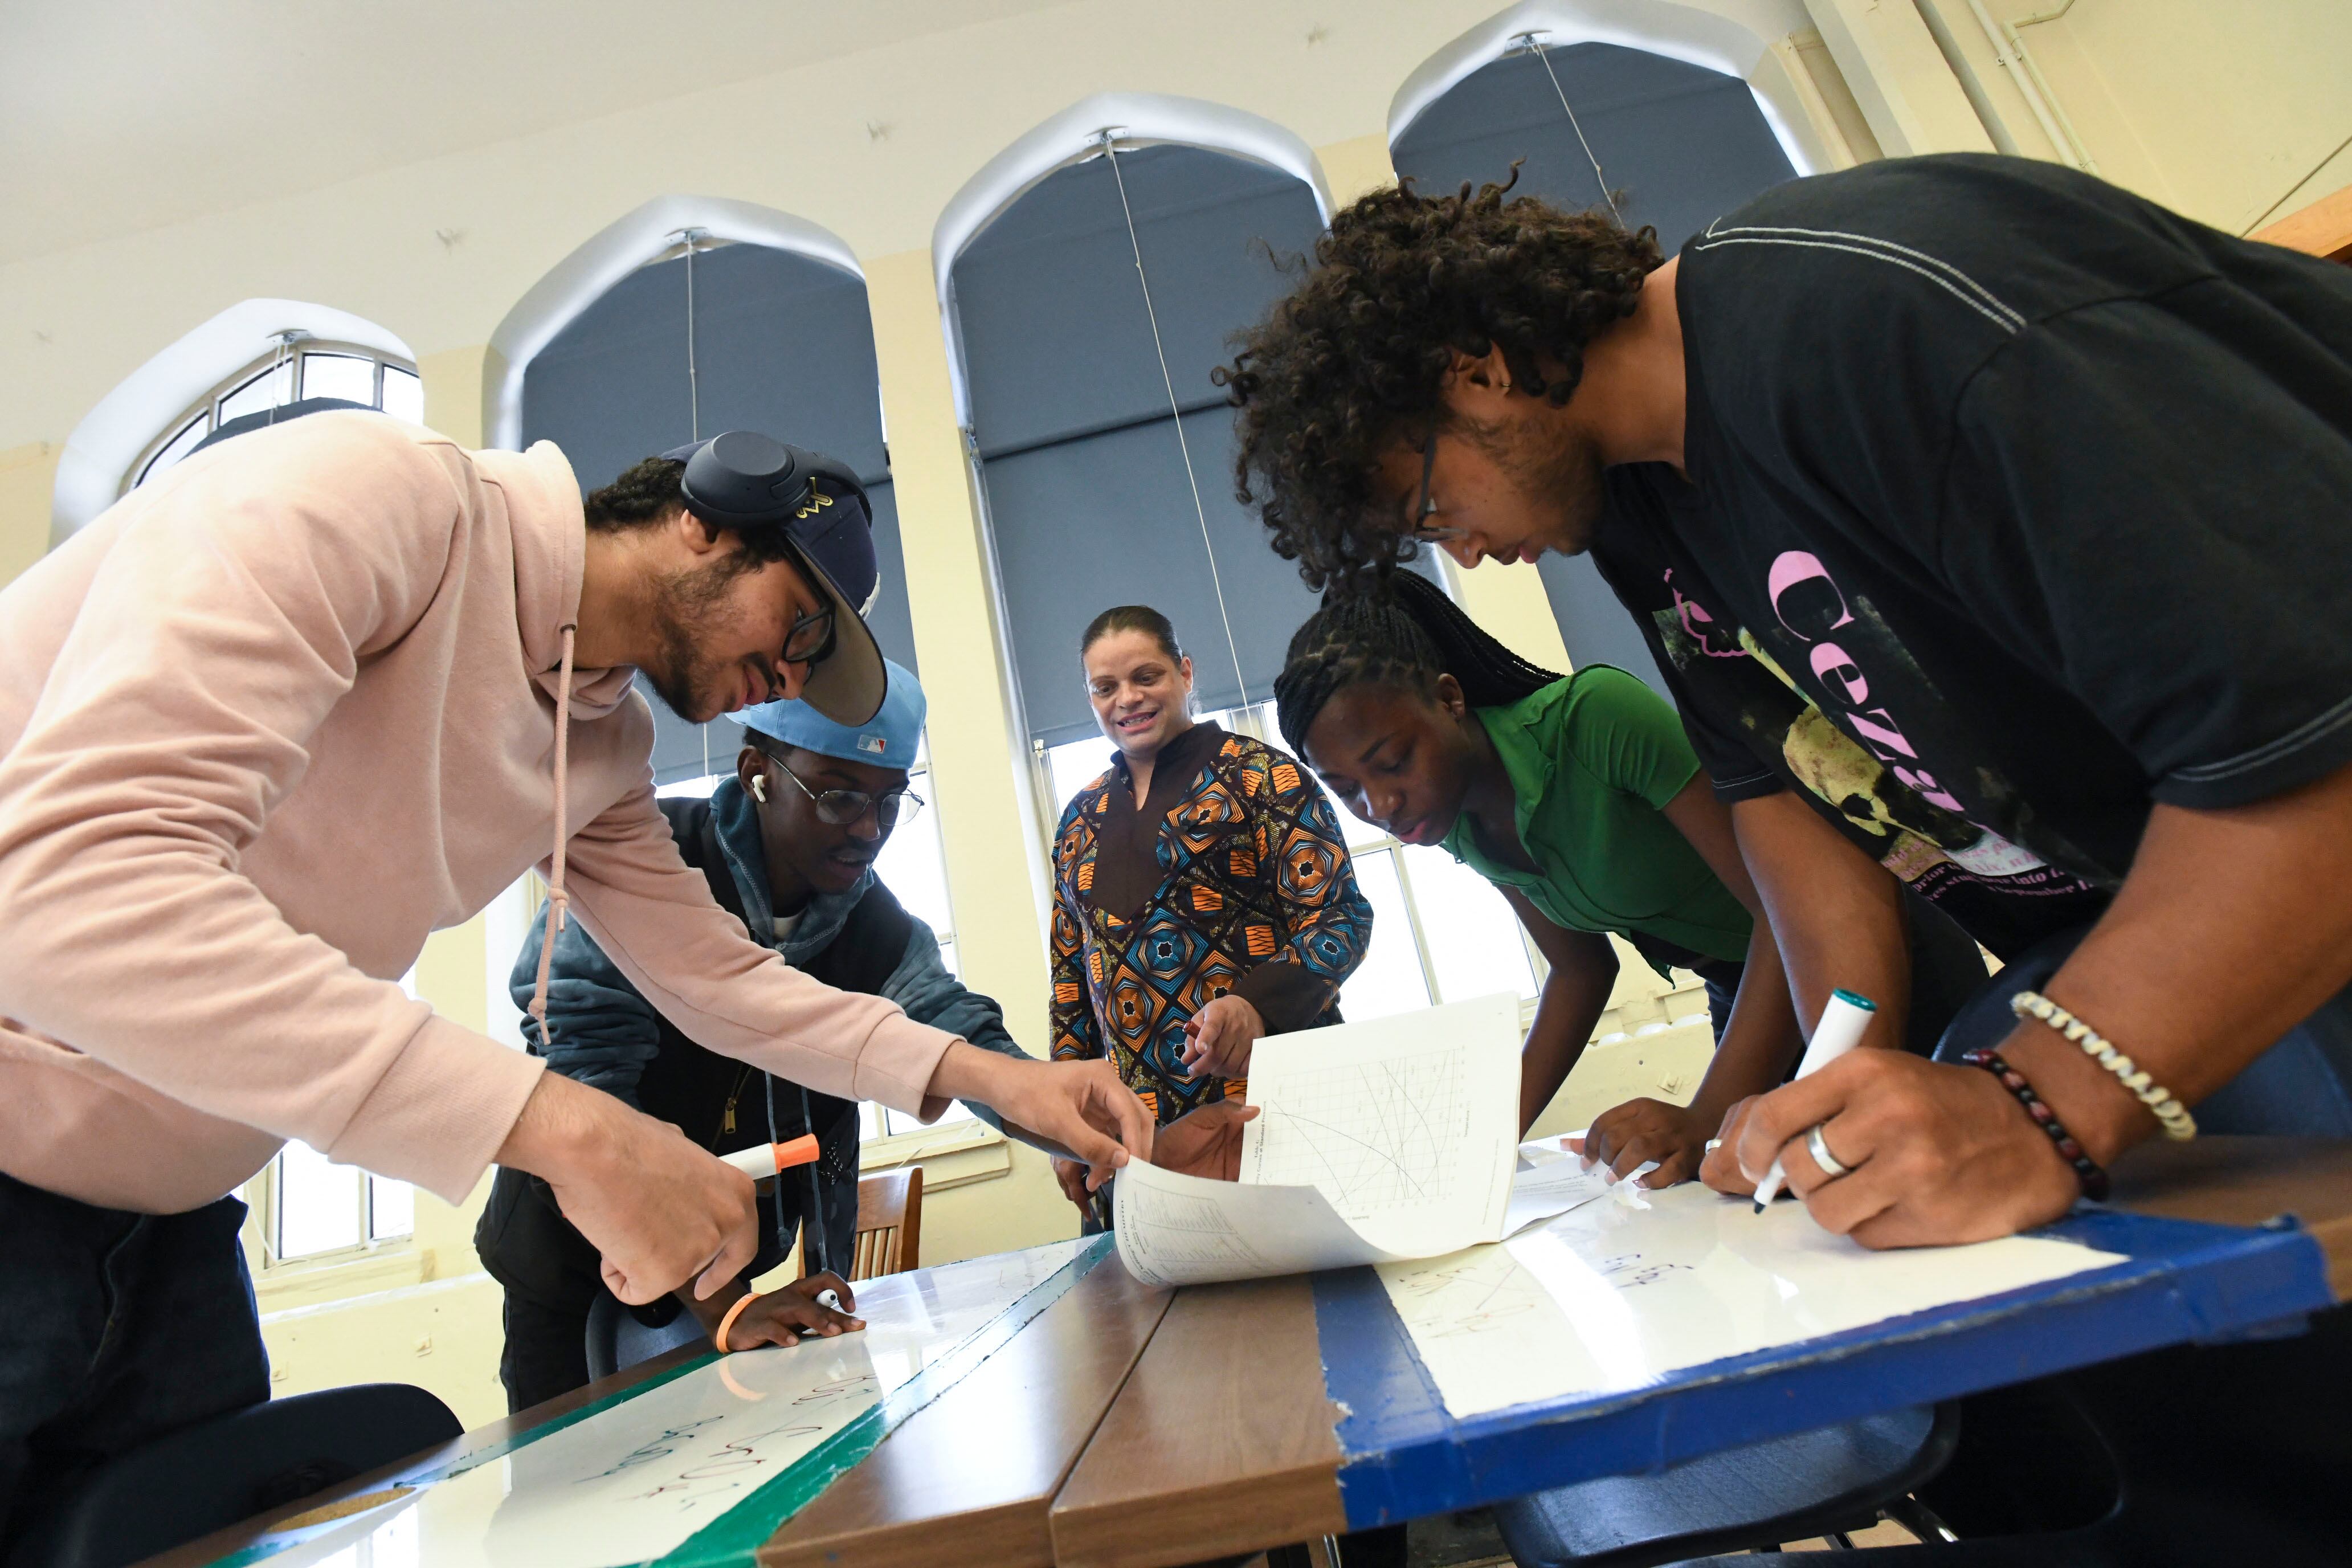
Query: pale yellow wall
point(2234, 115)
point(1899, 76)
point(28, 475)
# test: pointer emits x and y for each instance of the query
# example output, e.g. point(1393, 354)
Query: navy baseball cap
point(745, 481)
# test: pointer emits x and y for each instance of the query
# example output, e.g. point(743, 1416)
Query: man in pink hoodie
point(279, 715)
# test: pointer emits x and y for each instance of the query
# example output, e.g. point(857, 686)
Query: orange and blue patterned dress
point(1232, 876)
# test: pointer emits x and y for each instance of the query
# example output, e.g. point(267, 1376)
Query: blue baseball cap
point(743, 480)
point(887, 740)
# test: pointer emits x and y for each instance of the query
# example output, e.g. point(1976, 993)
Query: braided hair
point(1405, 634)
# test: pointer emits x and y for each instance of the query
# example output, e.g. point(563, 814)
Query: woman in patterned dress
point(1203, 893)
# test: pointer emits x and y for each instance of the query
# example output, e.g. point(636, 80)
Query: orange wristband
point(726, 1323)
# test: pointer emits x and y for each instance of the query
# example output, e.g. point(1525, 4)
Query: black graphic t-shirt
point(2015, 504)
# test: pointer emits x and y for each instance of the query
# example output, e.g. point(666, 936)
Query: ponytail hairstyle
point(1405, 633)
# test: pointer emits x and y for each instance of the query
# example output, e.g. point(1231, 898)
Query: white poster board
point(1374, 1142)
point(1614, 1295)
point(633, 1481)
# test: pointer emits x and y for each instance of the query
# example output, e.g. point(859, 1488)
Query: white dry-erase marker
point(1840, 1030)
point(762, 1161)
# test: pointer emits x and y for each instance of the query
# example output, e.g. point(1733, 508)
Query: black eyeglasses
point(840, 807)
point(811, 640)
point(1419, 526)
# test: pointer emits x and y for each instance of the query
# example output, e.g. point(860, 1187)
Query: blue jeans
point(2301, 1086)
point(115, 1329)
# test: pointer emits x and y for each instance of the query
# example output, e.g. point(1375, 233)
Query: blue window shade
point(1680, 145)
point(1088, 496)
point(783, 345)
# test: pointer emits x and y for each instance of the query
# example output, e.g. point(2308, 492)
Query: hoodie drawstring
point(559, 902)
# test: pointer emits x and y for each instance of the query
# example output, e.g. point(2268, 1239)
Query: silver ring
point(1818, 1147)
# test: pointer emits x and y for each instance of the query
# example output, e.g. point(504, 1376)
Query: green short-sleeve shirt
point(1594, 759)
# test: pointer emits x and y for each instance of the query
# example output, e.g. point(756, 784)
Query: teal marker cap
point(1865, 1003)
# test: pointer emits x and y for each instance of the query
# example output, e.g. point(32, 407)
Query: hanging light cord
point(693, 385)
point(284, 360)
point(1535, 47)
point(694, 427)
point(1176, 413)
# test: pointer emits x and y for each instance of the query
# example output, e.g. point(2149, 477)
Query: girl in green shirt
point(1582, 800)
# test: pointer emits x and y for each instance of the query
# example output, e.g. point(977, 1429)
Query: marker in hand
point(1840, 1029)
point(762, 1161)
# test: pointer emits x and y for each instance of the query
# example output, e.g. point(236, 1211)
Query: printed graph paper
point(1372, 1136)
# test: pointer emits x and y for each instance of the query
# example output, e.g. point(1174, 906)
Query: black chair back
point(617, 1338)
point(217, 1472)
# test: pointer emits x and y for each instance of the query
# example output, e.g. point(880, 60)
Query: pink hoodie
point(266, 724)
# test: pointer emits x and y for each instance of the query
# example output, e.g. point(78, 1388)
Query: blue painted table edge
point(1403, 1457)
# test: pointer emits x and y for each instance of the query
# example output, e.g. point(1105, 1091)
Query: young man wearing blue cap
point(788, 844)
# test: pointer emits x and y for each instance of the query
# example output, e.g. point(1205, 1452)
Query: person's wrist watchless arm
point(1583, 972)
point(1760, 1038)
point(1836, 915)
point(1081, 1105)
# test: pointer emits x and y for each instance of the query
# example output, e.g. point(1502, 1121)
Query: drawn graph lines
point(1371, 1136)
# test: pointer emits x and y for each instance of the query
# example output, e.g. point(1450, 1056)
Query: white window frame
point(205, 410)
point(263, 1194)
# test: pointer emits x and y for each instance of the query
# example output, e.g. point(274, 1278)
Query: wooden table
point(1132, 1428)
point(1240, 1426)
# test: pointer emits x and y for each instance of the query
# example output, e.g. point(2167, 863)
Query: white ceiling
point(120, 115)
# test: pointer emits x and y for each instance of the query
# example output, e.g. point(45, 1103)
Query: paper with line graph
point(1374, 1143)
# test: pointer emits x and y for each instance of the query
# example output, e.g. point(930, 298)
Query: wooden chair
point(890, 1224)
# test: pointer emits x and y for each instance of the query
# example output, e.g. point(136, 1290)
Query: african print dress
point(1233, 876)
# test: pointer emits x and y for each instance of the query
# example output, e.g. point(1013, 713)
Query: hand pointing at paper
point(1218, 1039)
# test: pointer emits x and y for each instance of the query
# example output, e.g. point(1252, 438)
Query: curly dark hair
point(650, 490)
point(1406, 633)
point(1350, 363)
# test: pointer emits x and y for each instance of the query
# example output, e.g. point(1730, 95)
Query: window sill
point(950, 1157)
point(386, 1266)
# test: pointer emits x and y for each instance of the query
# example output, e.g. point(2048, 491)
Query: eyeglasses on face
point(840, 807)
point(810, 640)
point(1418, 526)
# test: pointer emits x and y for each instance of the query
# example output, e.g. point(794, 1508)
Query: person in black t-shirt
point(1993, 527)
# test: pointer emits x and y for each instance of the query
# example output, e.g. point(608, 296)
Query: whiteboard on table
point(633, 1481)
point(1618, 1293)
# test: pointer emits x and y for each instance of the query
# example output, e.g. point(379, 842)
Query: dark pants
point(2301, 1086)
point(115, 1329)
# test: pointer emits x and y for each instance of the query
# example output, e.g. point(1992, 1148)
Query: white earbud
point(760, 789)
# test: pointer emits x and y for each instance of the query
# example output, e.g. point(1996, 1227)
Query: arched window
point(690, 318)
point(299, 370)
point(245, 364)
point(1089, 287)
point(1087, 306)
point(1671, 139)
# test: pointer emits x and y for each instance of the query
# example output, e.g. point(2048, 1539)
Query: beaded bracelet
point(2088, 1170)
point(2179, 1125)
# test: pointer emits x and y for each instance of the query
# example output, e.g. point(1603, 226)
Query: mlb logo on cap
point(892, 734)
